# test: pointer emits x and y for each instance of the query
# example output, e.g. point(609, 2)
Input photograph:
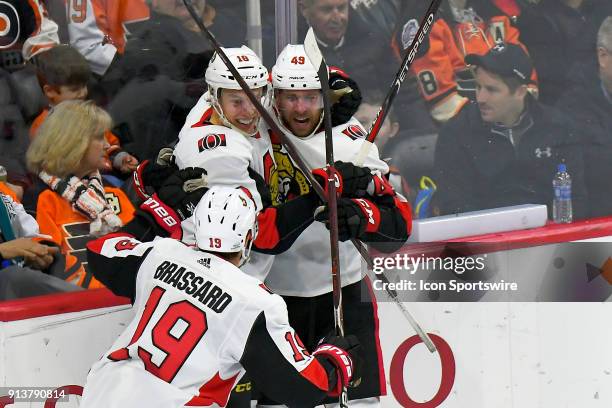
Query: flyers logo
point(9, 25)
point(211, 141)
point(355, 132)
point(125, 244)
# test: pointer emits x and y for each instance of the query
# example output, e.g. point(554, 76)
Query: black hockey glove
point(356, 216)
point(353, 181)
point(183, 189)
point(335, 350)
point(149, 174)
point(345, 96)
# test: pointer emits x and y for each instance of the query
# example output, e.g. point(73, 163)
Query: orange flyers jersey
point(6, 190)
point(97, 28)
point(70, 230)
point(438, 70)
point(25, 23)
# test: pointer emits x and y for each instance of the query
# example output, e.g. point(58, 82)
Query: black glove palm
point(352, 221)
point(355, 179)
point(183, 190)
point(346, 97)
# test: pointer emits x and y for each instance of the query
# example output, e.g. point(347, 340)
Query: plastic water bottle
point(562, 200)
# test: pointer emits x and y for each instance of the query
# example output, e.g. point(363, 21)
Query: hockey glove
point(346, 355)
point(183, 190)
point(152, 175)
point(356, 216)
point(321, 176)
point(355, 181)
point(345, 96)
point(164, 216)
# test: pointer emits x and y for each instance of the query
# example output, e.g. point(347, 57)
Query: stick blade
point(312, 49)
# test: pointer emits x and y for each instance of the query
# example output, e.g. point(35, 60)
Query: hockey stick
point(285, 141)
point(296, 157)
point(419, 37)
point(314, 54)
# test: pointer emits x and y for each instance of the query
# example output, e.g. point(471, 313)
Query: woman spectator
point(67, 155)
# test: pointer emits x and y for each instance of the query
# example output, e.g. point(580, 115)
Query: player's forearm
point(116, 273)
point(278, 378)
point(280, 226)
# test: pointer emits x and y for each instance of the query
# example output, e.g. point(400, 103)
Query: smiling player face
point(300, 111)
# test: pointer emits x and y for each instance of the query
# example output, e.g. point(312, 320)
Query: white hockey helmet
point(248, 64)
point(218, 76)
point(294, 70)
point(226, 221)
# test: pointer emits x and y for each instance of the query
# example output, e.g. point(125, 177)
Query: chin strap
point(214, 101)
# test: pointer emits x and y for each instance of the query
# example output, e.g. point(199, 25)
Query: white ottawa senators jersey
point(227, 155)
point(199, 323)
point(303, 270)
point(224, 153)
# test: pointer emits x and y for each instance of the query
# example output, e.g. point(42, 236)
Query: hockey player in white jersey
point(200, 322)
point(368, 210)
point(221, 135)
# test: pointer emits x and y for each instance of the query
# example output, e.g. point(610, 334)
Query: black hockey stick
point(285, 141)
point(419, 37)
point(314, 54)
point(299, 161)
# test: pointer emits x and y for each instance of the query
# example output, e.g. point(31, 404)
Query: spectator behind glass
point(22, 259)
point(67, 154)
point(462, 27)
point(350, 43)
point(63, 74)
point(97, 28)
point(160, 76)
point(386, 142)
point(504, 149)
point(560, 35)
point(591, 107)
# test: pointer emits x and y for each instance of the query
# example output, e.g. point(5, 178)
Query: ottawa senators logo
point(211, 141)
point(355, 132)
point(9, 25)
point(290, 180)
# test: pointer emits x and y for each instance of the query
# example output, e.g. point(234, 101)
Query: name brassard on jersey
point(190, 283)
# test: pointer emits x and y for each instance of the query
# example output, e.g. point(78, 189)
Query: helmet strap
point(214, 101)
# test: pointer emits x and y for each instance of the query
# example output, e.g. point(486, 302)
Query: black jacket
point(592, 113)
point(477, 167)
point(561, 41)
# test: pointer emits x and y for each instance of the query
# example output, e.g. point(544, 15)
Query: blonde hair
point(64, 137)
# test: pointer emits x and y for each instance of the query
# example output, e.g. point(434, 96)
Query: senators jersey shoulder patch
point(355, 132)
point(211, 141)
